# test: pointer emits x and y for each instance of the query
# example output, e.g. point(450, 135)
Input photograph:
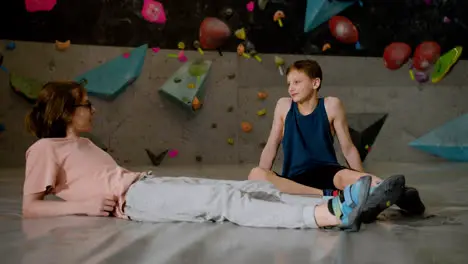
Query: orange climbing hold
point(61, 46)
point(196, 104)
point(246, 127)
point(262, 95)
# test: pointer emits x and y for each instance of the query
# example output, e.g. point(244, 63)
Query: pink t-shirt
point(76, 169)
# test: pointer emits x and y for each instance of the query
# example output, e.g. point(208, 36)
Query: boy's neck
point(309, 105)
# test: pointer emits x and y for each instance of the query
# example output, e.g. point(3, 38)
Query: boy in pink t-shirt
point(91, 183)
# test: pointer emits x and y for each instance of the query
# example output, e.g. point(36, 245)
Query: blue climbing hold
point(110, 79)
point(320, 11)
point(11, 45)
point(449, 141)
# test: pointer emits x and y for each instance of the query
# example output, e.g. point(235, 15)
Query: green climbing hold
point(28, 88)
point(199, 68)
point(445, 63)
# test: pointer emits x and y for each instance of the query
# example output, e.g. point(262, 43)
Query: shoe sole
point(414, 208)
point(384, 196)
point(354, 218)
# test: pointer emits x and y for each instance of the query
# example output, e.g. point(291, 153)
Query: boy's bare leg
point(282, 184)
point(346, 177)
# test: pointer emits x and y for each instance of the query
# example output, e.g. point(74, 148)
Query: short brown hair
point(54, 108)
point(310, 67)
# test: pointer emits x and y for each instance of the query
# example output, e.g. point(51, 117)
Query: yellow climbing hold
point(240, 34)
point(191, 86)
point(181, 45)
point(230, 141)
point(388, 204)
point(261, 112)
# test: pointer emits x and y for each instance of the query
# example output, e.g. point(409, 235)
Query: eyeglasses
point(88, 104)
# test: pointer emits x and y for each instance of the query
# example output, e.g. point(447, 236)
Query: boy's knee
point(258, 174)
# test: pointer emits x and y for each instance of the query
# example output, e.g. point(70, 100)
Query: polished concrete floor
point(441, 236)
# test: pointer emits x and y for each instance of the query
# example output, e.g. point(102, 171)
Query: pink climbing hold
point(40, 5)
point(156, 50)
point(250, 6)
point(126, 55)
point(173, 153)
point(153, 11)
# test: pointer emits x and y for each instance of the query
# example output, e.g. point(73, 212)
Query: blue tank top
point(307, 141)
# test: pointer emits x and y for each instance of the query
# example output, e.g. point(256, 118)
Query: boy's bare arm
point(276, 134)
point(340, 124)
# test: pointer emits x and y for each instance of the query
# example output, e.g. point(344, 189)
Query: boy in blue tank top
point(306, 124)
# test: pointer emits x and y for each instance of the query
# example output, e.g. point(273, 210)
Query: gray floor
point(440, 237)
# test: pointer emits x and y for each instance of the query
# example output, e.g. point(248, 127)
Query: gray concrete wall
point(140, 119)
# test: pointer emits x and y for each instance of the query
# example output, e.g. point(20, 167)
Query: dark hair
point(54, 109)
point(310, 67)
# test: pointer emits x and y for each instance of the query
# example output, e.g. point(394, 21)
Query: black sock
point(341, 195)
point(330, 207)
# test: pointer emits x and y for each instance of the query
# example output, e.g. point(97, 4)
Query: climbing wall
point(303, 28)
point(233, 120)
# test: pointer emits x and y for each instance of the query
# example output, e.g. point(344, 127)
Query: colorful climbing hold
point(241, 51)
point(343, 30)
point(11, 45)
point(126, 55)
point(181, 45)
point(240, 34)
point(153, 11)
point(213, 33)
point(196, 45)
point(246, 127)
point(181, 56)
point(173, 153)
point(43, 5)
point(156, 49)
point(396, 54)
point(278, 16)
point(262, 95)
point(191, 85)
point(62, 46)
point(261, 112)
point(250, 6)
point(280, 64)
point(326, 46)
point(230, 141)
point(196, 104)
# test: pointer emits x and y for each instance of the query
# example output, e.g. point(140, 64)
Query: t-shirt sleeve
point(41, 168)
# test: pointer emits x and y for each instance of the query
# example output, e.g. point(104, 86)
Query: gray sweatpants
point(246, 203)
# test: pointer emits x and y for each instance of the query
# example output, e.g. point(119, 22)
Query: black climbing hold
point(214, 125)
point(177, 80)
point(220, 52)
point(1, 59)
point(156, 159)
point(230, 109)
point(232, 76)
point(228, 12)
point(199, 158)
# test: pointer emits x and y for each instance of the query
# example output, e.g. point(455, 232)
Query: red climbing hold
point(40, 5)
point(213, 33)
point(396, 54)
point(343, 29)
point(425, 55)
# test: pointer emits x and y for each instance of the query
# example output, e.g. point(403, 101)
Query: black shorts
point(319, 177)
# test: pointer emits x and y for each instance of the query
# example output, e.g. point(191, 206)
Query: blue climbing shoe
point(349, 210)
point(383, 195)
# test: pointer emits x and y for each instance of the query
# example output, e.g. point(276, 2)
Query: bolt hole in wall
point(425, 36)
